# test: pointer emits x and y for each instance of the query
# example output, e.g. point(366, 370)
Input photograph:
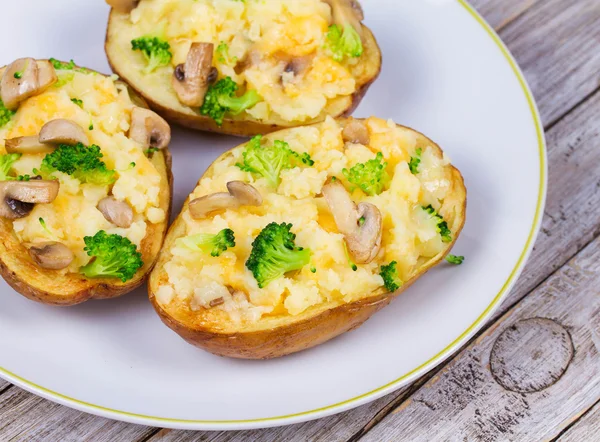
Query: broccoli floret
point(351, 263)
point(6, 163)
point(456, 260)
point(206, 242)
point(62, 66)
point(274, 253)
point(391, 280)
point(344, 42)
point(442, 226)
point(5, 114)
point(415, 161)
point(78, 102)
point(269, 161)
point(156, 50)
point(371, 177)
point(223, 54)
point(79, 161)
point(221, 99)
point(114, 257)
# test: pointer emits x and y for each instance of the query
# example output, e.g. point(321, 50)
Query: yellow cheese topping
point(410, 235)
point(105, 115)
point(278, 31)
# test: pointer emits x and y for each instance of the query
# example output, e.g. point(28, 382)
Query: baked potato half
point(85, 183)
point(299, 236)
point(244, 67)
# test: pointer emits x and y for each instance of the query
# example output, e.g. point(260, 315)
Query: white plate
point(446, 74)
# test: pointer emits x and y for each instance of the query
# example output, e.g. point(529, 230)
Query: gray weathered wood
point(466, 401)
point(501, 13)
point(585, 429)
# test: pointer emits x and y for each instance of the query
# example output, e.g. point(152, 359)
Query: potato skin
point(241, 128)
point(293, 335)
point(51, 287)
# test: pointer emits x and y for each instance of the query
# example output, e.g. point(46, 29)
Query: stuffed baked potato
point(85, 183)
point(298, 236)
point(244, 67)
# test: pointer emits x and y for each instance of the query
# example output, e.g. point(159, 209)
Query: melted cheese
point(410, 234)
point(73, 215)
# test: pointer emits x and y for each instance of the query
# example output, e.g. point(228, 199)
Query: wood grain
point(585, 429)
point(465, 402)
point(500, 13)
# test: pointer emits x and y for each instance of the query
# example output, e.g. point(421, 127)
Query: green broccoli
point(371, 177)
point(25, 177)
point(415, 161)
point(223, 54)
point(442, 226)
point(206, 242)
point(79, 161)
point(156, 50)
point(5, 114)
point(62, 66)
point(114, 257)
point(6, 163)
point(456, 260)
point(391, 280)
point(344, 42)
point(78, 102)
point(351, 263)
point(221, 99)
point(274, 253)
point(269, 161)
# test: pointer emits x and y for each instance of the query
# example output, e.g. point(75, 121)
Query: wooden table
point(533, 373)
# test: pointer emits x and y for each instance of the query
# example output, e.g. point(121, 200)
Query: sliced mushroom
point(18, 197)
point(216, 302)
point(149, 129)
point(123, 5)
point(362, 225)
point(27, 145)
point(51, 255)
point(61, 131)
point(347, 12)
point(252, 58)
point(191, 80)
point(25, 78)
point(355, 131)
point(240, 194)
point(117, 212)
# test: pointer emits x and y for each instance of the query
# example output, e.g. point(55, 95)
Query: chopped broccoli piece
point(78, 102)
point(371, 177)
point(442, 226)
point(223, 54)
point(25, 177)
point(6, 163)
point(344, 42)
point(62, 66)
point(415, 161)
point(351, 263)
point(114, 257)
point(151, 151)
point(44, 226)
point(221, 99)
point(18, 75)
point(79, 161)
point(5, 114)
point(156, 50)
point(313, 269)
point(456, 260)
point(269, 161)
point(206, 242)
point(391, 280)
point(274, 253)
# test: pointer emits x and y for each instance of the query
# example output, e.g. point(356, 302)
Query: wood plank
point(499, 14)
point(524, 378)
point(27, 418)
point(586, 428)
point(556, 43)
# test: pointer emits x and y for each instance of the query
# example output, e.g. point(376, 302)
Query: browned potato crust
point(51, 287)
point(238, 126)
point(281, 336)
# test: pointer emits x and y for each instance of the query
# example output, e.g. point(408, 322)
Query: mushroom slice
point(17, 197)
point(25, 78)
point(117, 212)
point(191, 80)
point(362, 225)
point(347, 12)
point(149, 129)
point(26, 145)
point(240, 194)
point(51, 255)
point(355, 131)
point(123, 5)
point(63, 131)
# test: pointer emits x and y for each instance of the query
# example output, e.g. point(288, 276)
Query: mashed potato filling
point(105, 115)
point(277, 31)
point(410, 234)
